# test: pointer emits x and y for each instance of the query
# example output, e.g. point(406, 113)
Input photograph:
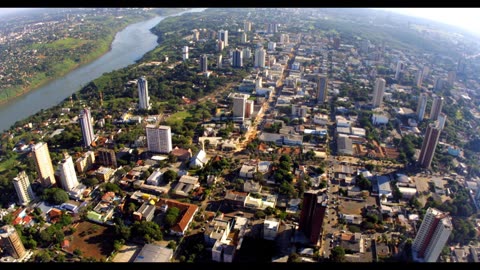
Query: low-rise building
point(145, 212)
point(153, 253)
point(270, 229)
point(185, 185)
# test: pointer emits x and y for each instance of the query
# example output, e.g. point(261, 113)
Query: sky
point(466, 18)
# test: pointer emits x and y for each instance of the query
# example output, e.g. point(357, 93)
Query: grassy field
point(178, 117)
point(61, 44)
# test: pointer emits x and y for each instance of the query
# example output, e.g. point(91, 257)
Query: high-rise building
point(271, 46)
point(85, 119)
point(258, 83)
point(23, 188)
point(436, 108)
point(284, 38)
point(220, 45)
point(419, 78)
point(237, 58)
point(83, 163)
point(260, 58)
point(428, 146)
point(219, 61)
point(322, 83)
point(247, 53)
point(159, 139)
point(43, 164)
point(143, 97)
point(66, 173)
point(223, 36)
point(432, 236)
point(239, 105)
point(204, 63)
point(421, 106)
point(442, 118)
point(185, 53)
point(313, 212)
point(247, 26)
point(195, 35)
point(11, 242)
point(451, 77)
point(243, 38)
point(398, 70)
point(249, 106)
point(107, 157)
point(378, 92)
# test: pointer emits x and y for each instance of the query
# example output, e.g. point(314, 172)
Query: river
point(128, 46)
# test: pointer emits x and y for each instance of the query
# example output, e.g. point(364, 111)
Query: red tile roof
point(187, 210)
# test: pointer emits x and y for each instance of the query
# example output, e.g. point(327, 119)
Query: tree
point(169, 176)
point(172, 216)
point(337, 254)
point(148, 230)
point(55, 195)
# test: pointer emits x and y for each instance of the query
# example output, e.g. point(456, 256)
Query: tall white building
point(284, 38)
point(442, 118)
point(219, 61)
point(247, 53)
point(43, 164)
point(247, 26)
point(271, 46)
point(239, 105)
point(85, 119)
point(436, 108)
point(378, 92)
point(159, 139)
point(185, 53)
point(223, 36)
point(432, 236)
point(66, 173)
point(399, 70)
point(143, 98)
point(260, 58)
point(243, 37)
point(23, 188)
point(422, 105)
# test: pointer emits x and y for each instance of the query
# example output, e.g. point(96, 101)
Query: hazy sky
point(467, 18)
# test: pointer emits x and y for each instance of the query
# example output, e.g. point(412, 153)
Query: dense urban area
point(249, 135)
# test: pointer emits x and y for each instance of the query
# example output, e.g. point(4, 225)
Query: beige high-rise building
point(239, 105)
point(378, 92)
point(83, 163)
point(159, 139)
point(10, 241)
point(43, 163)
point(23, 188)
point(432, 236)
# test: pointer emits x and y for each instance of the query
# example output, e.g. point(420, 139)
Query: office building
point(23, 188)
point(85, 119)
point(239, 105)
point(237, 58)
point(11, 242)
point(428, 146)
point(223, 36)
point(260, 58)
point(159, 139)
point(436, 108)
point(378, 92)
point(421, 106)
point(313, 212)
point(322, 83)
point(432, 236)
point(185, 53)
point(204, 63)
point(66, 173)
point(143, 98)
point(107, 157)
point(43, 164)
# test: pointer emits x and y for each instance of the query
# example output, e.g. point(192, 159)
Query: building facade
point(85, 119)
point(66, 173)
point(204, 63)
point(43, 164)
point(23, 188)
point(429, 144)
point(239, 105)
point(312, 215)
point(432, 236)
point(436, 108)
point(143, 98)
point(378, 92)
point(237, 58)
point(260, 58)
point(159, 139)
point(10, 241)
point(421, 106)
point(107, 157)
point(322, 83)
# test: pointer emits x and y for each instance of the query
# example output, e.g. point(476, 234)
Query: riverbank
point(61, 69)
